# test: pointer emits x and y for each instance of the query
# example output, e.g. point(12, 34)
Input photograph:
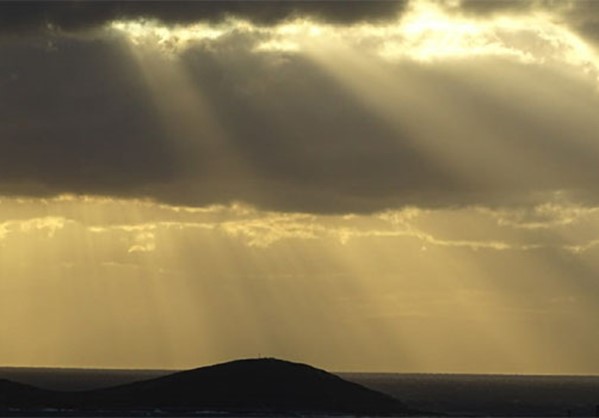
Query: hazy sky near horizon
point(363, 186)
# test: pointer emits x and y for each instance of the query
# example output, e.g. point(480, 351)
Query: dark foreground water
point(465, 395)
point(490, 395)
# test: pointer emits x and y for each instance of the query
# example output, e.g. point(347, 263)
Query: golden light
point(148, 33)
point(427, 31)
point(176, 286)
point(442, 289)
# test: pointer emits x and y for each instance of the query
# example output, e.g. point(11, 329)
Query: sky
point(398, 186)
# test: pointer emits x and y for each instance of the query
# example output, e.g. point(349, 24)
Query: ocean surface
point(490, 395)
point(458, 395)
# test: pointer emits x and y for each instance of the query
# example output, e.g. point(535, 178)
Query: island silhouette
point(249, 386)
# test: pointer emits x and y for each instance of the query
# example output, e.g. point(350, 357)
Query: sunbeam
point(176, 286)
point(412, 191)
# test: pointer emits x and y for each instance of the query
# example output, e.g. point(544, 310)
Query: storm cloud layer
point(81, 15)
point(329, 129)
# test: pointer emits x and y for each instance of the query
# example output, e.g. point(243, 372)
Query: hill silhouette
point(242, 386)
point(13, 393)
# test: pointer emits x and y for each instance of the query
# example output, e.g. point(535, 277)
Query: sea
point(450, 394)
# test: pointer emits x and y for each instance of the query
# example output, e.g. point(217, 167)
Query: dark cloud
point(23, 16)
point(581, 15)
point(86, 123)
point(490, 7)
point(487, 7)
point(77, 116)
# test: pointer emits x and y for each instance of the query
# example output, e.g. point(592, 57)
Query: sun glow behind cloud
point(428, 31)
point(395, 67)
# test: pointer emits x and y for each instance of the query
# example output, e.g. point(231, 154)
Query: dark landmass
point(265, 386)
point(451, 394)
point(75, 379)
point(12, 393)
